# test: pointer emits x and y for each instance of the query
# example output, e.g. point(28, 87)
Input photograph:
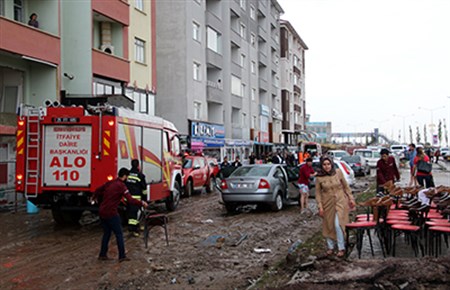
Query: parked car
point(358, 164)
point(347, 171)
point(259, 184)
point(371, 156)
point(196, 175)
point(399, 150)
point(445, 153)
point(337, 154)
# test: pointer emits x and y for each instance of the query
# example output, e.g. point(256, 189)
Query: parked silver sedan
point(260, 184)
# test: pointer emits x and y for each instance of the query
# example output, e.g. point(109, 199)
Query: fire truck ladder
point(33, 151)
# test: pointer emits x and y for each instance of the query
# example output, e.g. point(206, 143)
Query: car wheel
point(230, 207)
point(277, 205)
point(189, 188)
point(211, 184)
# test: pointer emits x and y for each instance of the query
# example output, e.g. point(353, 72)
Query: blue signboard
point(211, 135)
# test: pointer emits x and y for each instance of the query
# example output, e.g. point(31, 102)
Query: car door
point(197, 174)
point(292, 187)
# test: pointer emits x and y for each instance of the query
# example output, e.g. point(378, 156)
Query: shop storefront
point(207, 137)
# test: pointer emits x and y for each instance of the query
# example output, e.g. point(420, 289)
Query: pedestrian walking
point(411, 155)
point(109, 196)
point(334, 200)
point(437, 153)
point(137, 186)
point(387, 171)
point(423, 169)
point(305, 173)
point(237, 162)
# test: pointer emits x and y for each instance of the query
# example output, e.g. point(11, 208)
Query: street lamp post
point(403, 117)
point(432, 124)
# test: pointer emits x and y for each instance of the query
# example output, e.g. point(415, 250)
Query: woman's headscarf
point(322, 172)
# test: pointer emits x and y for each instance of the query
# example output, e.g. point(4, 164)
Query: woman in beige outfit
point(333, 196)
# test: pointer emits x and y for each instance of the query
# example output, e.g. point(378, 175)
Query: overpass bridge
point(371, 137)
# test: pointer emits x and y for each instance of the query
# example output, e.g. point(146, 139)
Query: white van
point(399, 150)
point(371, 156)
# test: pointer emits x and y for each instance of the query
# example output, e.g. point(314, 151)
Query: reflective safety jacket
point(136, 184)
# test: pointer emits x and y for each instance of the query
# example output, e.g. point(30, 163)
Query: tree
point(445, 132)
point(425, 133)
point(440, 132)
point(417, 135)
point(410, 135)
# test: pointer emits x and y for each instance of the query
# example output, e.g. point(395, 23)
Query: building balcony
point(214, 59)
point(117, 10)
point(236, 101)
point(236, 131)
point(297, 70)
point(262, 33)
point(298, 127)
point(214, 92)
point(235, 37)
point(263, 85)
point(297, 89)
point(30, 42)
point(297, 108)
point(262, 58)
point(110, 66)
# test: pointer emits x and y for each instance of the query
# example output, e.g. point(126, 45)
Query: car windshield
point(340, 154)
point(351, 159)
point(251, 171)
point(187, 163)
point(366, 154)
point(397, 148)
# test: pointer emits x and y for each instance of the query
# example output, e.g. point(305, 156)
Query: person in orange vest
point(301, 158)
point(306, 155)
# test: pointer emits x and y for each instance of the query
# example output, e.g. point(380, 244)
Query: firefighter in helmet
point(137, 186)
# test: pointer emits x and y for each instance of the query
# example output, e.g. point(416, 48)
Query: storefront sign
point(264, 110)
point(211, 135)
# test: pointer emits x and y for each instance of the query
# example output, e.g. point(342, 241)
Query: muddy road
point(208, 249)
point(37, 254)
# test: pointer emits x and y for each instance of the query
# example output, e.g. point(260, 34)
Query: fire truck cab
point(65, 153)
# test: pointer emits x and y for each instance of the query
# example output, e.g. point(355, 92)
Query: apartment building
point(79, 49)
point(217, 64)
point(292, 72)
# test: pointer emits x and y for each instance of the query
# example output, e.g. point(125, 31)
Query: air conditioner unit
point(108, 48)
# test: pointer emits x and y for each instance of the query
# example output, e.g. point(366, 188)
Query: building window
point(253, 67)
point(253, 121)
point(2, 7)
point(242, 90)
point(253, 94)
point(139, 4)
point(196, 72)
point(242, 30)
point(213, 39)
point(197, 110)
point(196, 31)
point(139, 50)
point(18, 10)
point(244, 120)
point(253, 39)
point(252, 12)
point(242, 61)
point(242, 4)
point(235, 85)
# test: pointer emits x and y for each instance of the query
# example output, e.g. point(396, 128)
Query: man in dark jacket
point(137, 186)
point(110, 194)
point(387, 171)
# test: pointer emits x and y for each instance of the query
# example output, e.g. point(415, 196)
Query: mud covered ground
point(208, 249)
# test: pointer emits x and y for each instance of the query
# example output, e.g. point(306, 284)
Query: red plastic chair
point(410, 231)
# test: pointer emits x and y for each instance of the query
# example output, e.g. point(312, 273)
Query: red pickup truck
point(197, 174)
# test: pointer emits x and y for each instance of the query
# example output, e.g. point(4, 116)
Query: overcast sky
point(369, 60)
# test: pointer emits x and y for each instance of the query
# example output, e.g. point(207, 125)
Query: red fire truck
point(65, 153)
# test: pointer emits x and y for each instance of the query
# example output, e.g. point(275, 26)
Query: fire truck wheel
point(174, 199)
point(66, 217)
point(189, 188)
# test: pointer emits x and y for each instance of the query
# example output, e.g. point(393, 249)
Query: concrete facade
point(292, 67)
point(217, 63)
